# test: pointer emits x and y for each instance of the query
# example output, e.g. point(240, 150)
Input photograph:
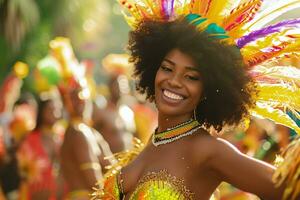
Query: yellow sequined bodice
point(161, 185)
point(152, 186)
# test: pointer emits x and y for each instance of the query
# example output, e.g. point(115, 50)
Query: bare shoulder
point(74, 136)
point(206, 147)
point(201, 145)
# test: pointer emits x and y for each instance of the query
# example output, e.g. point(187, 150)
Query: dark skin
point(208, 160)
point(72, 157)
point(103, 121)
point(77, 149)
point(48, 120)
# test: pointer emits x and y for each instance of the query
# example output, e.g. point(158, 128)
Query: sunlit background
point(98, 34)
point(95, 27)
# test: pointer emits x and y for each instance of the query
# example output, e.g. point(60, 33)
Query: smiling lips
point(172, 96)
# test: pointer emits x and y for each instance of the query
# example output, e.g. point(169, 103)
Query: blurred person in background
point(38, 155)
point(103, 121)
point(17, 119)
point(122, 112)
point(81, 151)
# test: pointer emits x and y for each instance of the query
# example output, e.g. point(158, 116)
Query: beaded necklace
point(175, 133)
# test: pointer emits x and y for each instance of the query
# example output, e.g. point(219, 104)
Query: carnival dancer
point(38, 155)
point(198, 61)
point(16, 121)
point(83, 147)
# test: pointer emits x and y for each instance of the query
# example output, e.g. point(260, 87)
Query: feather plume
point(280, 95)
point(265, 111)
point(294, 23)
point(271, 46)
point(200, 6)
point(167, 8)
point(241, 14)
point(271, 13)
point(217, 10)
point(286, 74)
point(288, 171)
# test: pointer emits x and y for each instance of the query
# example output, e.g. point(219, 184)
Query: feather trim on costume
point(108, 186)
point(125, 157)
point(288, 171)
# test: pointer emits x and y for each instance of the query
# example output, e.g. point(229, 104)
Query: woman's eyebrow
point(191, 68)
point(169, 61)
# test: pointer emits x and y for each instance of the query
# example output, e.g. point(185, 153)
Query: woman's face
point(50, 113)
point(178, 85)
point(73, 103)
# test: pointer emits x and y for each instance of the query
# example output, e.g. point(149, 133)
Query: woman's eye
point(165, 68)
point(193, 78)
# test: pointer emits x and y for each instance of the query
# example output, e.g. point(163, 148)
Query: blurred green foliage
point(95, 28)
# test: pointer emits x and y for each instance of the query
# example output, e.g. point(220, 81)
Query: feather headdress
point(243, 22)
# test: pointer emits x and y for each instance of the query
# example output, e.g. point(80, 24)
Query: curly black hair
point(228, 90)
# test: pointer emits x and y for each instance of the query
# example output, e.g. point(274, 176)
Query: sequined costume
point(156, 185)
point(153, 185)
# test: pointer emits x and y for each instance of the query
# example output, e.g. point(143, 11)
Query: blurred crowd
point(54, 142)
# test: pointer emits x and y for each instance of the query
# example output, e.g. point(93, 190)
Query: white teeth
point(172, 95)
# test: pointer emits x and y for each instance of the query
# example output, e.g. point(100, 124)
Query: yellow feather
point(259, 51)
point(289, 57)
point(288, 171)
point(182, 7)
point(279, 94)
point(200, 6)
point(151, 5)
point(124, 158)
point(288, 74)
point(263, 110)
point(218, 10)
point(251, 7)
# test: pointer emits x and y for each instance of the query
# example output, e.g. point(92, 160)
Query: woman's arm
point(244, 172)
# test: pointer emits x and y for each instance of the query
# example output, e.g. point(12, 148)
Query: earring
point(195, 115)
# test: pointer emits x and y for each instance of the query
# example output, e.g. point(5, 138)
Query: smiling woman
point(177, 85)
point(219, 66)
point(185, 73)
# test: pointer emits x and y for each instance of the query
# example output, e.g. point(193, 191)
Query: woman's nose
point(175, 81)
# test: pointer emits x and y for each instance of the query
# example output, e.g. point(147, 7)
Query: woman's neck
point(76, 119)
point(165, 122)
point(46, 130)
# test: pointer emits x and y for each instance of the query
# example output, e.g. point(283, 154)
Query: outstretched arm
point(244, 172)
